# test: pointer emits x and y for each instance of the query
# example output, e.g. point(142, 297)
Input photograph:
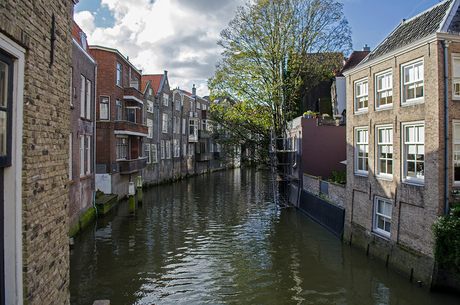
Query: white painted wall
point(104, 183)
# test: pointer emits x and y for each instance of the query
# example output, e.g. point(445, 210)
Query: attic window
point(83, 40)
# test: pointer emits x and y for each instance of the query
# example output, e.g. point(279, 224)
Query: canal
point(219, 239)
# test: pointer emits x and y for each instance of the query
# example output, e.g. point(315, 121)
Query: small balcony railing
point(132, 166)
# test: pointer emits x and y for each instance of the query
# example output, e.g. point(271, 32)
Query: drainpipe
point(158, 143)
point(94, 137)
point(172, 136)
point(445, 45)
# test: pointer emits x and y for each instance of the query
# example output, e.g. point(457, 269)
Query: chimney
point(193, 90)
point(366, 48)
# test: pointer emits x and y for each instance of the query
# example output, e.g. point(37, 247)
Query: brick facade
point(44, 256)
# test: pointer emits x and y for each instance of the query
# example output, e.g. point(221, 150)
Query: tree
point(267, 54)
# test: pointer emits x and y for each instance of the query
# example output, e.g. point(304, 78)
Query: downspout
point(158, 144)
point(172, 135)
point(445, 45)
point(94, 137)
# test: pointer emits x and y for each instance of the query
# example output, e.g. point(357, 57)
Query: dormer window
point(83, 40)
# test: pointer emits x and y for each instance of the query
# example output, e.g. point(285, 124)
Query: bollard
point(132, 203)
point(139, 189)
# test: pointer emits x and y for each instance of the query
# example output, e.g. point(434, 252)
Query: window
point(126, 78)
point(104, 107)
point(147, 153)
point(82, 155)
point(176, 147)
point(168, 149)
point(361, 95)
point(456, 151)
point(184, 124)
point(177, 104)
point(361, 151)
point(88, 155)
point(414, 152)
point(154, 153)
point(184, 148)
point(150, 127)
point(191, 106)
point(165, 122)
point(119, 74)
point(384, 150)
point(174, 125)
point(382, 216)
point(456, 77)
point(384, 87)
point(130, 113)
point(82, 96)
point(150, 106)
point(198, 106)
point(88, 99)
point(412, 82)
point(162, 147)
point(122, 148)
point(191, 150)
point(165, 99)
point(119, 110)
point(6, 89)
point(193, 129)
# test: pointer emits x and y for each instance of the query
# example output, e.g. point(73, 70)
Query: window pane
point(3, 84)
point(3, 132)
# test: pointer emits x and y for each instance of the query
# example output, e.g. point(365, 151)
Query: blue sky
point(180, 35)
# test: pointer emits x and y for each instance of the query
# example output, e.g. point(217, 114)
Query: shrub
point(447, 240)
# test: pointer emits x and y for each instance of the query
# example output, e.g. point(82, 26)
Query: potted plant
point(455, 194)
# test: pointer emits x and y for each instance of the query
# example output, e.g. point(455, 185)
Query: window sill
point(414, 182)
point(366, 174)
point(383, 108)
point(71, 182)
point(380, 235)
point(385, 178)
point(86, 177)
point(361, 111)
point(414, 102)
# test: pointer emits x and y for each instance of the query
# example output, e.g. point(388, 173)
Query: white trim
point(448, 18)
point(377, 106)
point(415, 100)
point(454, 183)
point(454, 56)
point(404, 178)
point(84, 51)
point(129, 133)
point(363, 81)
point(131, 97)
point(375, 229)
point(13, 182)
point(378, 175)
point(357, 171)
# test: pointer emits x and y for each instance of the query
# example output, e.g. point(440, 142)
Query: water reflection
point(219, 239)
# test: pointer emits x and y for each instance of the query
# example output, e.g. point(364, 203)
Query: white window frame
point(382, 217)
point(162, 149)
point(70, 155)
point(177, 105)
point(456, 76)
point(198, 105)
point(71, 86)
point(165, 99)
point(150, 128)
point(122, 148)
point(384, 145)
point(184, 126)
point(119, 74)
point(82, 95)
point(147, 153)
point(149, 106)
point(168, 149)
point(88, 99)
point(107, 98)
point(361, 143)
point(119, 109)
point(418, 143)
point(417, 81)
point(455, 150)
point(165, 122)
point(184, 152)
point(384, 89)
point(362, 97)
point(81, 142)
point(88, 155)
point(154, 151)
point(191, 149)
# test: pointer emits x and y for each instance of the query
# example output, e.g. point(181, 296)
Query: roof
point(355, 58)
point(76, 34)
point(156, 81)
point(431, 21)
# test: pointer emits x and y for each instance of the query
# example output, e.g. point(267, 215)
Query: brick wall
point(45, 141)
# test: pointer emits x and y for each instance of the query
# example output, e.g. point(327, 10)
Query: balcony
point(129, 128)
point(204, 134)
point(132, 166)
point(133, 94)
point(204, 156)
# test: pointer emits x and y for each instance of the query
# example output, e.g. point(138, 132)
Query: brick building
point(82, 128)
point(120, 129)
point(35, 62)
point(401, 169)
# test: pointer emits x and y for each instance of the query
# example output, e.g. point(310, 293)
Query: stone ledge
point(106, 203)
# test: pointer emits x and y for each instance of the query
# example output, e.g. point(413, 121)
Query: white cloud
point(175, 35)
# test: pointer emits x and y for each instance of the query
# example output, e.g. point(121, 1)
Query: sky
point(181, 36)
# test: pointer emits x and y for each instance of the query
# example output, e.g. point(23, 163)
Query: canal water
point(219, 239)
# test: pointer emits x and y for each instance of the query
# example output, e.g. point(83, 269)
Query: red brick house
point(120, 129)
